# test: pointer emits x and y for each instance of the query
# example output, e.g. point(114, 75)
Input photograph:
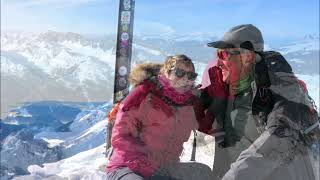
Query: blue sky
point(276, 18)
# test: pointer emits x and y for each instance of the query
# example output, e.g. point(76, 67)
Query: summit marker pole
point(123, 57)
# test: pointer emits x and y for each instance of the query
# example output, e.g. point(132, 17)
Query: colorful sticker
point(122, 60)
point(123, 71)
point(124, 44)
point(126, 4)
point(125, 36)
point(123, 52)
point(120, 95)
point(125, 17)
point(122, 82)
point(125, 27)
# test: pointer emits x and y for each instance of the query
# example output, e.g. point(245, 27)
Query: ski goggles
point(225, 54)
point(181, 73)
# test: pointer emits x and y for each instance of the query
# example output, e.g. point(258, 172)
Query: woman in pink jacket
point(154, 120)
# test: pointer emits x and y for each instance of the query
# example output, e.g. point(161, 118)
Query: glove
point(217, 88)
point(218, 91)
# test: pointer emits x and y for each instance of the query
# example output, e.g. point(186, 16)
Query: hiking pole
point(194, 146)
point(123, 58)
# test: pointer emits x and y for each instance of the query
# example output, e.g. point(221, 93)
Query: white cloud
point(44, 15)
point(153, 28)
point(17, 17)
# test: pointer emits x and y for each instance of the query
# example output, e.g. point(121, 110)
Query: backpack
point(272, 74)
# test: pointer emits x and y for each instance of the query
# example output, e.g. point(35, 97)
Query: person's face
point(182, 77)
point(235, 63)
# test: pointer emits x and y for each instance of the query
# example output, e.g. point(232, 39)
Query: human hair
point(171, 62)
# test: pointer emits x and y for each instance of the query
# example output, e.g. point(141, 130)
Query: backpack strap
point(312, 127)
point(263, 102)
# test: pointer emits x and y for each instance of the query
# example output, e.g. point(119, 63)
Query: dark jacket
point(275, 90)
point(263, 125)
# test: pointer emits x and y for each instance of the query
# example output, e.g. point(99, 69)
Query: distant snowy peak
point(17, 65)
point(10, 68)
point(58, 55)
point(307, 44)
point(196, 36)
point(53, 36)
point(92, 50)
point(311, 37)
point(304, 47)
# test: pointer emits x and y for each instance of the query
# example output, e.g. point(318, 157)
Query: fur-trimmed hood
point(144, 71)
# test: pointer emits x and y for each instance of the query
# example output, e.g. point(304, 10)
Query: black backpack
point(274, 71)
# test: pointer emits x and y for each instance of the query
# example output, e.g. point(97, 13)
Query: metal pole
point(123, 57)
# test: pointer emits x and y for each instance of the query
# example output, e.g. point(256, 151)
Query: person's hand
point(218, 91)
point(217, 87)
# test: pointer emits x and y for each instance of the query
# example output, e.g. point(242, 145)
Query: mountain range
point(66, 66)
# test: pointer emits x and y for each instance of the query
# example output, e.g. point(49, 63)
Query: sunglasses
point(181, 73)
point(225, 54)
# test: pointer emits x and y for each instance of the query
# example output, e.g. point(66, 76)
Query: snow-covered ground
point(84, 165)
point(84, 138)
point(90, 164)
point(86, 132)
point(82, 149)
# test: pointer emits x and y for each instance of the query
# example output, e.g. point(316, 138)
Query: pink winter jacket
point(149, 133)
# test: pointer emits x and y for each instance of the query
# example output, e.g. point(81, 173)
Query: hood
point(141, 72)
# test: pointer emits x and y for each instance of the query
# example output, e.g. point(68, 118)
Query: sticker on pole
point(122, 82)
point(126, 4)
point(123, 52)
point(124, 27)
point(125, 36)
point(125, 17)
point(123, 60)
point(123, 71)
point(124, 43)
